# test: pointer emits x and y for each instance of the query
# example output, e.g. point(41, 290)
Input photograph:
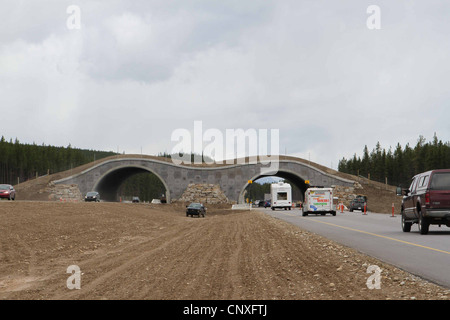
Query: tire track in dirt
point(235, 244)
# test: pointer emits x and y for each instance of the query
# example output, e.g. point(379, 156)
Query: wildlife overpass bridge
point(107, 176)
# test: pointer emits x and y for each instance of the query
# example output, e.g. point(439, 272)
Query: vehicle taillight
point(427, 198)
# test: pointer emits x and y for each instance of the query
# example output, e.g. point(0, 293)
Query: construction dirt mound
point(142, 251)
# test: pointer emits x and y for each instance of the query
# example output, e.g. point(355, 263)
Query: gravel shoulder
point(142, 251)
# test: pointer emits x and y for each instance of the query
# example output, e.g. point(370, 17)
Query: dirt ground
point(142, 251)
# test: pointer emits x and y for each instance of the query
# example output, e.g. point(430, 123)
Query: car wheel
point(406, 226)
point(423, 223)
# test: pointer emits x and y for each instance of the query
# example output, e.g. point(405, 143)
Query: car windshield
point(4, 187)
point(92, 193)
point(440, 181)
point(195, 205)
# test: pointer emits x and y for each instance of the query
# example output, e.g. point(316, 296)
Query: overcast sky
point(138, 70)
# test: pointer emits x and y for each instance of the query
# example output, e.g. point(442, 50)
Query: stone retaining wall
point(63, 192)
point(203, 193)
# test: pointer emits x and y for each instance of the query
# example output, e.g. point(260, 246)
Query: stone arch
point(108, 184)
point(289, 175)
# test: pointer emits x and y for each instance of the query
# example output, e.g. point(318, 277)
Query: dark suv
point(196, 209)
point(426, 201)
point(358, 203)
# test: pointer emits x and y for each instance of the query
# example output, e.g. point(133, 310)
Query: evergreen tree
point(21, 162)
point(400, 165)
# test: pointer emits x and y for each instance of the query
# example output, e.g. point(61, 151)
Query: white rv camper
point(318, 201)
point(281, 196)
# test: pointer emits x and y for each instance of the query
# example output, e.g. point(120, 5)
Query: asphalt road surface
point(380, 236)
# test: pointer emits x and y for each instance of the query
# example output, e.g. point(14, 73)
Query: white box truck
point(281, 195)
point(318, 201)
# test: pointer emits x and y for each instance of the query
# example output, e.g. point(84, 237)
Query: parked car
point(196, 209)
point(7, 191)
point(426, 201)
point(92, 196)
point(358, 203)
point(135, 200)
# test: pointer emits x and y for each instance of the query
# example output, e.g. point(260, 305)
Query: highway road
point(380, 236)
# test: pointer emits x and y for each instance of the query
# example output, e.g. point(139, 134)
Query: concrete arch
point(108, 184)
point(292, 176)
